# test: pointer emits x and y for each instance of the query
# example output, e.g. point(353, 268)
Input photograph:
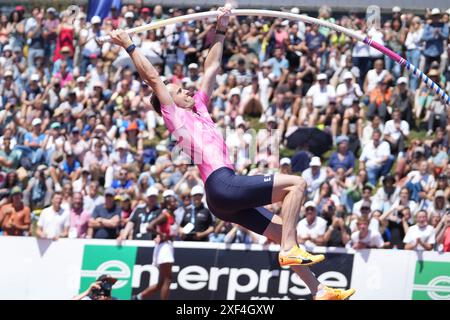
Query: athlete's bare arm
point(145, 69)
point(214, 58)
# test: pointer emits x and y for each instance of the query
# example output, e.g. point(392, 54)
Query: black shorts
point(240, 199)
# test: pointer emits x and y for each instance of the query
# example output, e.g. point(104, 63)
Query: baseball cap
point(96, 19)
point(152, 191)
point(122, 144)
point(7, 48)
point(55, 125)
point(435, 11)
point(36, 122)
point(348, 75)
point(145, 9)
point(16, 190)
point(8, 73)
point(439, 193)
point(315, 161)
point(75, 130)
point(266, 64)
point(310, 204)
point(271, 119)
point(322, 76)
point(341, 139)
point(168, 193)
point(448, 11)
point(107, 278)
point(34, 77)
point(234, 91)
point(110, 192)
point(129, 14)
point(197, 190)
point(65, 49)
point(51, 9)
point(402, 80)
point(295, 10)
point(285, 161)
point(193, 66)
point(85, 169)
point(81, 79)
point(125, 197)
point(396, 9)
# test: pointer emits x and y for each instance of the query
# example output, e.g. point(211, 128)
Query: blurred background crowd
point(83, 153)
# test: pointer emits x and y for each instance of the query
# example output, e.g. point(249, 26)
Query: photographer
point(98, 290)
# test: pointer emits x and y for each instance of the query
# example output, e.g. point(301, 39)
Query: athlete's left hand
point(223, 18)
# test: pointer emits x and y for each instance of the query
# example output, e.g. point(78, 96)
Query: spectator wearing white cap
point(198, 221)
point(311, 229)
point(434, 35)
point(285, 166)
point(142, 215)
point(34, 142)
point(314, 176)
point(321, 93)
point(193, 75)
point(9, 91)
point(348, 91)
point(90, 49)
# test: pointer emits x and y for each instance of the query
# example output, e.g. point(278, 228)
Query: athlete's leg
point(273, 232)
point(164, 280)
point(290, 190)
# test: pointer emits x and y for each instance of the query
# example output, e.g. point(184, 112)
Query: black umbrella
point(312, 139)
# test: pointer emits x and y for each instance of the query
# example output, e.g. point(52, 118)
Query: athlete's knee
point(300, 185)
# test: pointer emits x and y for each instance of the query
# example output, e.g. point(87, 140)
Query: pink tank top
point(197, 135)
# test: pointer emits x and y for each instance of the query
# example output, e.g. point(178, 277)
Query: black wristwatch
point(131, 48)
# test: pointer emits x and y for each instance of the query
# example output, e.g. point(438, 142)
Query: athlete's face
point(182, 98)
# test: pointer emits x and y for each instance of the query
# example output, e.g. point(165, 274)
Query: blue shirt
point(434, 43)
point(277, 65)
point(70, 168)
point(116, 184)
point(101, 212)
point(346, 163)
point(29, 138)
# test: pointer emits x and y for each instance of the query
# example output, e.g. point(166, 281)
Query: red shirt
point(447, 240)
point(166, 226)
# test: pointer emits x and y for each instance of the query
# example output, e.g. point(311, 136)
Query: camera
point(106, 284)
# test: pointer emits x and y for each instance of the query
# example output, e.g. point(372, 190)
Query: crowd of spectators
point(82, 152)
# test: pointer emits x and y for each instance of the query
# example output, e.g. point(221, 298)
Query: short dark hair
point(155, 101)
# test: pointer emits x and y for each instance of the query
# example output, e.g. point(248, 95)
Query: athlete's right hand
point(121, 38)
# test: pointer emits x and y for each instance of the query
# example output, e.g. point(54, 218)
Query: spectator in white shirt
point(365, 238)
point(314, 176)
point(348, 91)
point(396, 132)
point(420, 236)
point(54, 221)
point(311, 229)
point(321, 93)
point(376, 158)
